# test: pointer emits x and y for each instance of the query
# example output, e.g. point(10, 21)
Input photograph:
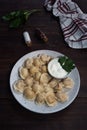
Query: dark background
point(12, 47)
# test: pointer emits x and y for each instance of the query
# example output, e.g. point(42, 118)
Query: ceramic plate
point(31, 105)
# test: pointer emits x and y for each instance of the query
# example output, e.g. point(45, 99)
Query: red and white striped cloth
point(72, 20)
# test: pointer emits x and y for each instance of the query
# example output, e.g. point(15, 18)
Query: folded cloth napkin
point(72, 20)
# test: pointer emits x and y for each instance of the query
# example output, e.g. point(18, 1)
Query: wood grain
point(12, 47)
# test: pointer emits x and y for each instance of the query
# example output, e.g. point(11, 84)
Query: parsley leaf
point(66, 63)
point(18, 18)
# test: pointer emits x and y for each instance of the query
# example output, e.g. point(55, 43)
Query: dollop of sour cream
point(56, 70)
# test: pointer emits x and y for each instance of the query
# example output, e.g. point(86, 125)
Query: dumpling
point(53, 83)
point(29, 94)
point(45, 58)
point(33, 70)
point(37, 88)
point(29, 81)
point(61, 96)
point(45, 78)
point(37, 76)
point(40, 98)
point(35, 82)
point(51, 99)
point(47, 88)
point(23, 72)
point(37, 61)
point(68, 83)
point(28, 63)
point(19, 86)
point(44, 69)
point(59, 87)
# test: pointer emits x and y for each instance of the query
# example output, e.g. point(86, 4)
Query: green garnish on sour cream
point(66, 63)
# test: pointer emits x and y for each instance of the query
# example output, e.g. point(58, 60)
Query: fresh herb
point(18, 18)
point(66, 63)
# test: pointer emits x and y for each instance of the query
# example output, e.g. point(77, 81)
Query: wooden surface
point(12, 47)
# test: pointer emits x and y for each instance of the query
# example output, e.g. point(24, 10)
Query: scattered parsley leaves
point(18, 18)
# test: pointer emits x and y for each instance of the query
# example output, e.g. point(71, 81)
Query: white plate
point(43, 108)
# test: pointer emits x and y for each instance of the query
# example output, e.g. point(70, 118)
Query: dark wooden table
point(12, 47)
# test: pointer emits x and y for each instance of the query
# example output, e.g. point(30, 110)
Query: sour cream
point(56, 70)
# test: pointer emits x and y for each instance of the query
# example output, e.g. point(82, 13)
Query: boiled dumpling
point(19, 86)
point(59, 87)
point(37, 88)
point(44, 69)
point(37, 76)
point(68, 83)
point(45, 58)
point(47, 88)
point(33, 70)
point(29, 81)
point(62, 97)
point(45, 78)
point(40, 98)
point(29, 94)
point(37, 61)
point(23, 72)
point(51, 99)
point(53, 83)
point(28, 63)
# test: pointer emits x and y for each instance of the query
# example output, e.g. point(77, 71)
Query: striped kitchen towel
point(72, 20)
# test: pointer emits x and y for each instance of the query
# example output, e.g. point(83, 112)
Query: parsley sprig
point(18, 18)
point(66, 63)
